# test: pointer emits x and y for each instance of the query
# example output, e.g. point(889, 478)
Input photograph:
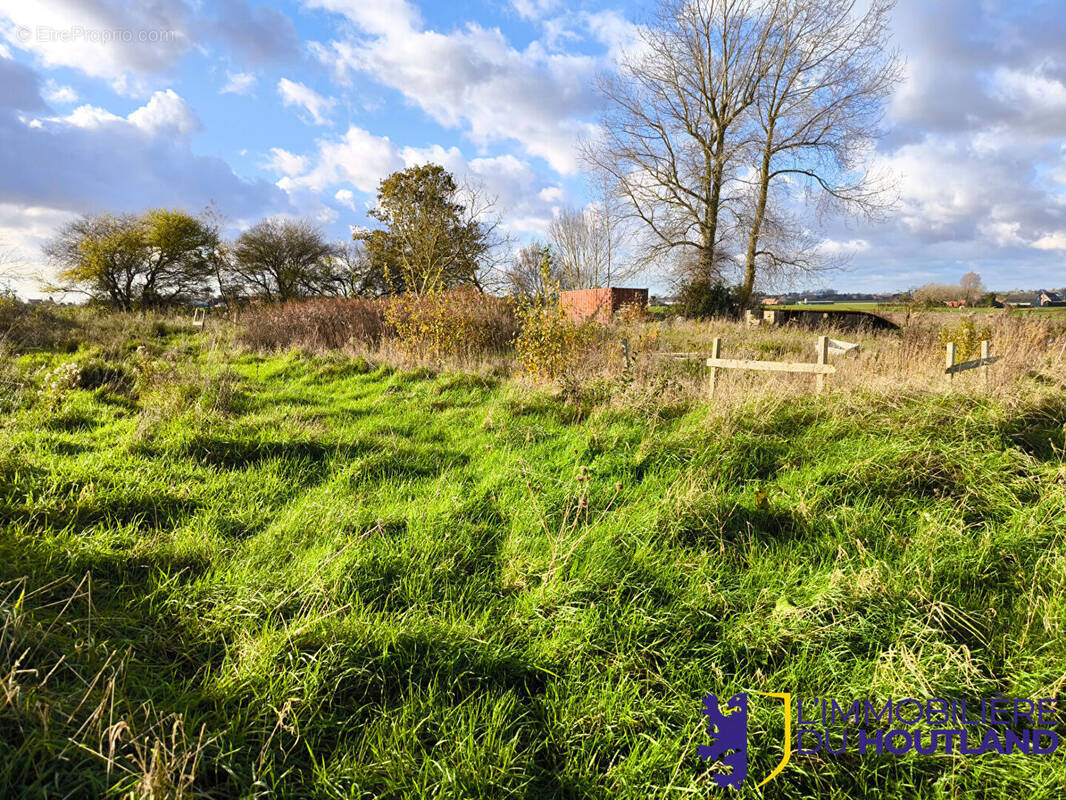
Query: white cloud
point(552, 194)
point(94, 160)
point(534, 9)
point(285, 163)
point(345, 197)
point(297, 94)
point(127, 41)
point(54, 93)
point(1053, 241)
point(238, 83)
point(109, 39)
point(833, 247)
point(165, 112)
point(358, 158)
point(471, 78)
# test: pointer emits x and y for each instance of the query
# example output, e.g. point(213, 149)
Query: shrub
point(700, 299)
point(459, 323)
point(31, 327)
point(549, 343)
point(967, 338)
point(319, 324)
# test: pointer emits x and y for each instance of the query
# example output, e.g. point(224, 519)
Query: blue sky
point(302, 107)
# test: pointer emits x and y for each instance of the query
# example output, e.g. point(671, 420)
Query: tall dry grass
point(473, 332)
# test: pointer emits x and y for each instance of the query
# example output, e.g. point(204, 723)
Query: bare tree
point(354, 273)
point(281, 259)
point(673, 125)
point(972, 287)
point(531, 271)
point(576, 238)
point(817, 111)
point(585, 244)
point(9, 269)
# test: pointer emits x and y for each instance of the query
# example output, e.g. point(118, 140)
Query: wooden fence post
point(949, 362)
point(716, 352)
point(986, 353)
point(823, 358)
point(625, 351)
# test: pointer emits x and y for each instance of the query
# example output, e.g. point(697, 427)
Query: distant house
point(955, 303)
point(1019, 299)
point(1048, 299)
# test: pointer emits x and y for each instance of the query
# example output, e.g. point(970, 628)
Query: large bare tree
point(672, 131)
point(816, 114)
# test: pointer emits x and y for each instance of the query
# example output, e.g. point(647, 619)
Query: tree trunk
point(756, 223)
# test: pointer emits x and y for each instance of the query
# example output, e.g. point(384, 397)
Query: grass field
point(237, 575)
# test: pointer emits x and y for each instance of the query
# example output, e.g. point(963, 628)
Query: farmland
point(234, 573)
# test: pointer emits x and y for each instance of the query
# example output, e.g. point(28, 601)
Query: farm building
point(599, 304)
point(1051, 299)
point(1019, 299)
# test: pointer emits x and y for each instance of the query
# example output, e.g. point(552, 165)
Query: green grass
point(348, 582)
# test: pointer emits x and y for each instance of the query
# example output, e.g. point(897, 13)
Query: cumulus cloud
point(64, 95)
point(94, 160)
point(285, 163)
point(165, 112)
point(359, 159)
point(125, 41)
point(301, 96)
point(472, 79)
point(346, 198)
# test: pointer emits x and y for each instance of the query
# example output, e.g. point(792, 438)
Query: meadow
point(235, 572)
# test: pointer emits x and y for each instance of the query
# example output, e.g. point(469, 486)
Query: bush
point(700, 299)
point(967, 338)
point(317, 325)
point(549, 343)
point(31, 327)
point(459, 323)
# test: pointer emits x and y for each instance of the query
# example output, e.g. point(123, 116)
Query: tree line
point(162, 258)
point(435, 235)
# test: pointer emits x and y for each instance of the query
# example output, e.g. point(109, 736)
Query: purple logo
point(729, 726)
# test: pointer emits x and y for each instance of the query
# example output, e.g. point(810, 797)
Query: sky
point(300, 108)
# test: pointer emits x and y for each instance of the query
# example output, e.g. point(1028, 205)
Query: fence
point(820, 368)
point(951, 369)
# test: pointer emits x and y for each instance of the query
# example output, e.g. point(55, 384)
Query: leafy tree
point(156, 259)
point(282, 259)
point(431, 241)
point(700, 298)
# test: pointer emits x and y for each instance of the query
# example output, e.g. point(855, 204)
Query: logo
point(729, 726)
point(825, 725)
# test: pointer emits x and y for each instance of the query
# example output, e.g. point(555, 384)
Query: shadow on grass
point(723, 520)
point(1041, 430)
point(145, 512)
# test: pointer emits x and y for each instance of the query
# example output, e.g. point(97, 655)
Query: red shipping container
point(599, 304)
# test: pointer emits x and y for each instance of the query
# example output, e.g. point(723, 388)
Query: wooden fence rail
point(951, 369)
point(820, 368)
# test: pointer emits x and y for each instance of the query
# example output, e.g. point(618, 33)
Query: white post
point(823, 358)
point(716, 352)
point(986, 353)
